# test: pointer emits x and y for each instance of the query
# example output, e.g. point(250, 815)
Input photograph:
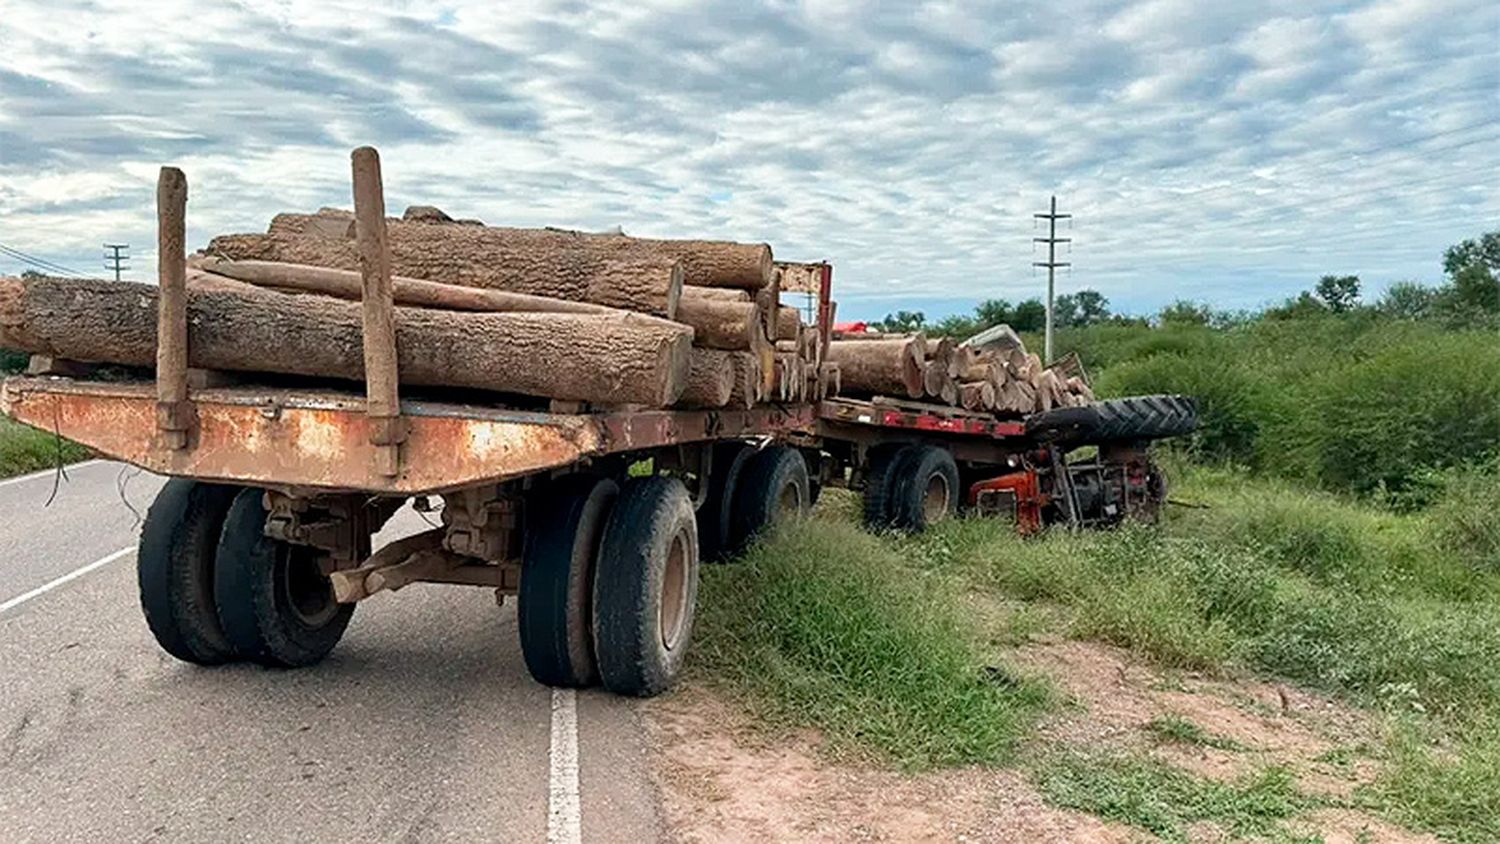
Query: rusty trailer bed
point(321, 439)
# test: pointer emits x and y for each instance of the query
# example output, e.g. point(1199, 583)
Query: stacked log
point(606, 358)
point(891, 366)
point(727, 293)
point(1001, 377)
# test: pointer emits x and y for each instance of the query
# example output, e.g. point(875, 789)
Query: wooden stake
point(173, 414)
point(383, 402)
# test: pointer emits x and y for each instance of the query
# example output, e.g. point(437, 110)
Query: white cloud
point(908, 143)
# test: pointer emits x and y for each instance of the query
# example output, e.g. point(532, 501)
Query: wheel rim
point(305, 590)
point(674, 592)
point(935, 501)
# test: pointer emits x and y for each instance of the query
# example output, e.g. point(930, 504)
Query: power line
point(39, 263)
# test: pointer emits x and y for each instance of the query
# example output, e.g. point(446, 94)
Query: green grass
point(1179, 730)
point(1447, 784)
point(825, 626)
point(890, 645)
point(24, 449)
point(1151, 795)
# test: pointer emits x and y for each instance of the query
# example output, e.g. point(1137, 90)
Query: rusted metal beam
point(174, 416)
point(259, 436)
point(381, 393)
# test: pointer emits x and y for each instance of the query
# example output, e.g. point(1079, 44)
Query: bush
point(1233, 402)
point(1467, 516)
point(11, 362)
point(1408, 409)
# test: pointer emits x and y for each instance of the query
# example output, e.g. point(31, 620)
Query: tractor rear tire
point(554, 608)
point(926, 489)
point(175, 570)
point(772, 489)
point(276, 604)
point(1133, 419)
point(646, 587)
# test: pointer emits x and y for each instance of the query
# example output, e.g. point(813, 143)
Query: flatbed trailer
point(259, 546)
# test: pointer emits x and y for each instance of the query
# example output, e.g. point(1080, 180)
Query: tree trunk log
point(788, 323)
point(546, 262)
point(888, 367)
point(560, 265)
point(710, 378)
point(721, 294)
point(717, 324)
point(344, 284)
point(599, 358)
point(977, 395)
point(745, 390)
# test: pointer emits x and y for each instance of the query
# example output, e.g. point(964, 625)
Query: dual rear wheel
point(910, 487)
point(609, 578)
point(215, 588)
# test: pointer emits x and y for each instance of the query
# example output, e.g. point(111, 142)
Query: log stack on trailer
point(1001, 378)
point(606, 320)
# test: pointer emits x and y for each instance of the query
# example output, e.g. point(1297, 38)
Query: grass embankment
point(25, 449)
point(874, 641)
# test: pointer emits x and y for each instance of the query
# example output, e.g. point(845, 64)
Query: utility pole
point(1051, 264)
point(116, 258)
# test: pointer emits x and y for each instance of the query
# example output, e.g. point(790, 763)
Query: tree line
point(1468, 296)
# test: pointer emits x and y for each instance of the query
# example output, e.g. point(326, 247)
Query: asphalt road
point(421, 726)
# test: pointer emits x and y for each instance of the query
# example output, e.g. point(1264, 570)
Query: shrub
point(1232, 401)
point(12, 361)
point(1407, 409)
point(1466, 517)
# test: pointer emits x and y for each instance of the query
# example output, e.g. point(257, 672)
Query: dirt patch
point(720, 781)
point(1346, 826)
point(1254, 724)
point(722, 778)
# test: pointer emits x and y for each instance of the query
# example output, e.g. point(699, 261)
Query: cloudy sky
point(1228, 151)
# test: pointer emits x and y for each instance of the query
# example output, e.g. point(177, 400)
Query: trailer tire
point(646, 587)
point(554, 608)
point(773, 486)
point(716, 518)
point(926, 488)
point(175, 570)
point(276, 605)
point(883, 470)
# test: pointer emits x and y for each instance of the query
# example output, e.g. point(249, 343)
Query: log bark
point(562, 265)
point(504, 258)
point(717, 324)
point(722, 294)
point(888, 367)
point(745, 389)
point(599, 358)
point(788, 323)
point(710, 378)
point(417, 292)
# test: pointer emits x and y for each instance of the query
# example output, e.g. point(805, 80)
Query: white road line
point(563, 812)
point(72, 575)
point(45, 473)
